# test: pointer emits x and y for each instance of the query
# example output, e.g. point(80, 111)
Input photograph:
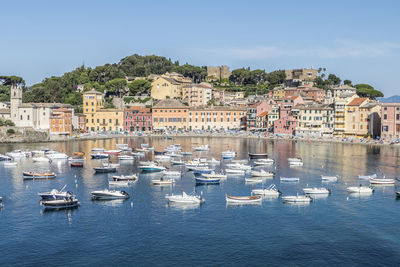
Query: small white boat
point(122, 146)
point(202, 148)
point(57, 155)
point(99, 155)
point(151, 168)
point(214, 175)
point(120, 183)
point(18, 154)
point(329, 178)
point(185, 198)
point(112, 165)
point(238, 166)
point(188, 153)
point(297, 199)
point(241, 161)
point(172, 173)
point(10, 163)
point(316, 190)
point(243, 199)
point(367, 177)
point(144, 145)
point(289, 179)
point(142, 150)
point(254, 180)
point(267, 161)
point(163, 181)
point(132, 177)
point(109, 194)
point(262, 173)
point(360, 189)
point(174, 155)
point(138, 154)
point(228, 154)
point(55, 194)
point(162, 158)
point(126, 157)
point(213, 161)
point(177, 162)
point(295, 164)
point(40, 159)
point(112, 152)
point(270, 191)
point(295, 160)
point(382, 181)
point(235, 171)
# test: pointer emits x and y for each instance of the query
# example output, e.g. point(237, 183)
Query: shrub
point(10, 131)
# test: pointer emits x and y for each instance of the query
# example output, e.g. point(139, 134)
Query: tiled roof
point(263, 114)
point(93, 92)
point(169, 103)
point(357, 101)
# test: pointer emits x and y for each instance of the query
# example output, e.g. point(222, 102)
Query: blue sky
point(357, 40)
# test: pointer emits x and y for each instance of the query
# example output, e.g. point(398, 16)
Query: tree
point(116, 86)
point(366, 90)
point(347, 82)
point(139, 86)
point(333, 79)
point(240, 76)
point(12, 80)
point(197, 74)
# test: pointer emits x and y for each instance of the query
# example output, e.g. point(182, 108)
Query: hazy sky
point(357, 40)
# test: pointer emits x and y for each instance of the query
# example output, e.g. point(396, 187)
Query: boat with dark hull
point(258, 155)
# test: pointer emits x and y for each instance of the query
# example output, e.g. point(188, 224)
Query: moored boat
point(289, 179)
point(367, 177)
point(202, 148)
point(77, 164)
point(270, 191)
point(254, 180)
point(105, 169)
point(112, 152)
point(163, 181)
point(382, 181)
point(99, 155)
point(200, 170)
point(171, 173)
point(39, 175)
point(360, 189)
point(297, 199)
point(63, 203)
point(125, 157)
point(177, 162)
point(329, 178)
point(243, 199)
point(109, 194)
point(55, 194)
point(151, 168)
point(235, 171)
point(316, 190)
point(258, 155)
point(262, 173)
point(10, 163)
point(214, 175)
point(228, 154)
point(185, 198)
point(207, 180)
point(267, 161)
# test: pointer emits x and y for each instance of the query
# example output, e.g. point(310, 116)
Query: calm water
point(145, 230)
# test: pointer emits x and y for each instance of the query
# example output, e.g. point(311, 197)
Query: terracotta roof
point(292, 97)
point(93, 92)
point(357, 101)
point(5, 111)
point(263, 114)
point(255, 105)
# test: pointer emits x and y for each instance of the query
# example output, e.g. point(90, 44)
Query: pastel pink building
point(256, 109)
point(287, 122)
point(317, 94)
point(137, 119)
point(390, 120)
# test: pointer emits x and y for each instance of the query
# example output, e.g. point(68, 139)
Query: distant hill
point(391, 99)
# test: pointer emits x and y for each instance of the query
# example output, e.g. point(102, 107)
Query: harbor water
point(144, 230)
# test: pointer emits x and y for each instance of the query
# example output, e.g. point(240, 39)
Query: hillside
point(391, 99)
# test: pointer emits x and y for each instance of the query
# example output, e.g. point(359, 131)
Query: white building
point(315, 120)
point(343, 91)
point(35, 115)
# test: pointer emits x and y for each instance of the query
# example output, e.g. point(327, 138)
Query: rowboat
point(262, 173)
point(289, 179)
point(105, 169)
point(382, 181)
point(329, 178)
point(360, 189)
point(264, 162)
point(207, 180)
point(163, 181)
point(235, 171)
point(185, 198)
point(297, 199)
point(258, 155)
point(79, 154)
point(39, 175)
point(270, 191)
point(243, 199)
point(367, 177)
point(254, 180)
point(316, 190)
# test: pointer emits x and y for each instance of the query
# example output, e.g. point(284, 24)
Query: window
point(384, 116)
point(28, 117)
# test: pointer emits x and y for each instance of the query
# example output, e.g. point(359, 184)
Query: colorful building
point(138, 119)
point(315, 120)
point(98, 118)
point(168, 85)
point(61, 121)
point(390, 117)
point(256, 109)
point(170, 114)
point(317, 94)
point(216, 118)
point(197, 94)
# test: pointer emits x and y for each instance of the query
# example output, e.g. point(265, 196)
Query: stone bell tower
point(15, 103)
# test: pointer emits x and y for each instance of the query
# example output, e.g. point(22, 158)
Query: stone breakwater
point(22, 135)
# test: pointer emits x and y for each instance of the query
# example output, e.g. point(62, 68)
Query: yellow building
point(98, 118)
point(168, 86)
point(279, 93)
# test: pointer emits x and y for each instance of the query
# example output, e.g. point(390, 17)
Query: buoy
point(76, 185)
point(131, 204)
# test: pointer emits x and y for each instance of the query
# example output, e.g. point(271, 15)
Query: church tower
point(16, 101)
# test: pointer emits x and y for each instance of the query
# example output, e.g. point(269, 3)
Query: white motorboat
point(267, 161)
point(121, 146)
point(360, 189)
point(144, 145)
point(214, 175)
point(188, 153)
point(191, 166)
point(297, 199)
point(171, 173)
point(109, 194)
point(57, 155)
point(112, 152)
point(289, 179)
point(329, 178)
point(112, 165)
point(254, 180)
point(202, 148)
point(99, 155)
point(367, 177)
point(18, 154)
point(142, 150)
point(120, 183)
point(243, 199)
point(174, 155)
point(132, 177)
point(295, 160)
point(126, 157)
point(213, 161)
point(241, 161)
point(163, 181)
point(316, 190)
point(138, 154)
point(162, 158)
point(270, 191)
point(56, 194)
point(382, 181)
point(151, 168)
point(185, 198)
point(177, 162)
point(10, 163)
point(262, 173)
point(63, 203)
point(76, 159)
point(40, 159)
point(228, 154)
point(235, 171)
point(295, 163)
point(238, 166)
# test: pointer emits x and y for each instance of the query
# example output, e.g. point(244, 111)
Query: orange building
point(170, 114)
point(61, 121)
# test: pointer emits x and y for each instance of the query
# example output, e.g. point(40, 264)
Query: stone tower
point(16, 101)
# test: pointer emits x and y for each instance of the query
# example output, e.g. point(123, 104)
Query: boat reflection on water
point(67, 210)
point(319, 196)
point(110, 202)
point(183, 206)
point(236, 204)
point(360, 195)
point(296, 204)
